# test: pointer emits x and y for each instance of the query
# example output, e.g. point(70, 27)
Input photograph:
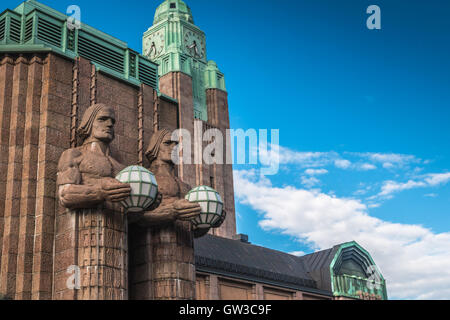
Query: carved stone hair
point(155, 144)
point(85, 128)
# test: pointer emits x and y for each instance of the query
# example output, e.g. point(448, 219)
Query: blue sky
point(363, 118)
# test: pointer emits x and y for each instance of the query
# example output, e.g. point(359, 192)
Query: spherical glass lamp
point(211, 204)
point(144, 188)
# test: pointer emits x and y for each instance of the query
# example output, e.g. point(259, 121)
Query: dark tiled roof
point(318, 260)
point(244, 260)
point(317, 265)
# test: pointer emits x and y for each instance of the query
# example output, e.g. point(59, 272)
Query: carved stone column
point(172, 263)
point(102, 254)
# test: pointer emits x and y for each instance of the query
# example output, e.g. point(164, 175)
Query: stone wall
point(35, 105)
point(42, 98)
point(214, 287)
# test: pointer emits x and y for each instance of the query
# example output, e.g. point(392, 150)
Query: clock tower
point(178, 46)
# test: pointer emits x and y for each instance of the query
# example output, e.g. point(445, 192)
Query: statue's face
point(103, 125)
point(165, 150)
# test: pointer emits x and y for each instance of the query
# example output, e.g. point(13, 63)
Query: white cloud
point(435, 179)
point(390, 160)
point(367, 167)
point(414, 260)
point(390, 187)
point(309, 182)
point(316, 172)
point(428, 180)
point(288, 156)
point(388, 165)
point(305, 159)
point(346, 160)
point(342, 163)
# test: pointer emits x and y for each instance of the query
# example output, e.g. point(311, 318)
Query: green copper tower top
point(173, 8)
point(176, 44)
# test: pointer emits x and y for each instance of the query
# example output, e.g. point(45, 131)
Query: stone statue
point(172, 204)
point(86, 174)
point(91, 195)
point(171, 190)
point(167, 231)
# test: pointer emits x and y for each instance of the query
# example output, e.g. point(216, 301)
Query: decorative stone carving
point(91, 195)
point(172, 205)
point(86, 174)
point(172, 191)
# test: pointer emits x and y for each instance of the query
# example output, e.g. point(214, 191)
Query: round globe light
point(144, 188)
point(211, 204)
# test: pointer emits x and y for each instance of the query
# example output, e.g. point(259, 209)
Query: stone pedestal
point(91, 245)
point(162, 263)
point(173, 264)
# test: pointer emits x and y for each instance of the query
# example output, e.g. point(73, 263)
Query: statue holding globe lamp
point(173, 206)
point(174, 203)
point(93, 218)
point(169, 229)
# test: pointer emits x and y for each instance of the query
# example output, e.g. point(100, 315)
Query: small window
point(173, 5)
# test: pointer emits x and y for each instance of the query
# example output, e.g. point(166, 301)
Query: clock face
point(194, 45)
point(154, 45)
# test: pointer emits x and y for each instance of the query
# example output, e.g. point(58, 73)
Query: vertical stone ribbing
point(150, 101)
point(172, 262)
point(218, 116)
point(29, 175)
point(84, 86)
point(93, 85)
point(75, 94)
point(140, 246)
point(54, 138)
point(14, 179)
point(178, 85)
point(67, 223)
point(155, 115)
point(6, 85)
point(141, 126)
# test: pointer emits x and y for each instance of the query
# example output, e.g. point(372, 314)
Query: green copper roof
point(348, 281)
point(34, 27)
point(175, 9)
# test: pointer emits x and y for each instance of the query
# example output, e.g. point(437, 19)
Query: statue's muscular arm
point(74, 195)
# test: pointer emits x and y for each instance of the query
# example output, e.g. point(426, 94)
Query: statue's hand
point(114, 190)
point(186, 210)
point(170, 210)
point(163, 214)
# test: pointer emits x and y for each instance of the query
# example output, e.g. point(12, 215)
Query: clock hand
point(153, 47)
